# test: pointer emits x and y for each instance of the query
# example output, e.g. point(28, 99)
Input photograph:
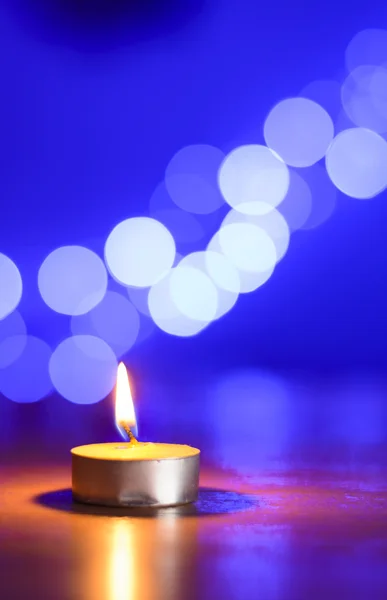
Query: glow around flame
point(125, 412)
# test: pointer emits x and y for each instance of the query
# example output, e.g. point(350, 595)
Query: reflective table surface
point(292, 505)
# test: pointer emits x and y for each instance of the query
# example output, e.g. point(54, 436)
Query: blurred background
point(136, 135)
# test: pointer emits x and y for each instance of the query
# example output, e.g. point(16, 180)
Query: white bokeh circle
point(364, 97)
point(26, 379)
point(357, 163)
point(324, 196)
point(253, 173)
point(13, 338)
point(72, 280)
point(297, 206)
point(139, 251)
point(248, 281)
point(193, 293)
point(299, 130)
point(248, 247)
point(11, 286)
point(165, 313)
point(115, 320)
point(191, 178)
point(83, 369)
point(223, 274)
point(367, 47)
point(271, 222)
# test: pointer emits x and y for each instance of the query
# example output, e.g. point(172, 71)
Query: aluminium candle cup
point(142, 475)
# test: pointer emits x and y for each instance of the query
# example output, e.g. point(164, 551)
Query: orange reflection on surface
point(122, 576)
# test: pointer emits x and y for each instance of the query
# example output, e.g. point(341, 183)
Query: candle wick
point(128, 431)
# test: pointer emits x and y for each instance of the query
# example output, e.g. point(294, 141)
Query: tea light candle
point(134, 473)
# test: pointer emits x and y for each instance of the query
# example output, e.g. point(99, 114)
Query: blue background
point(95, 102)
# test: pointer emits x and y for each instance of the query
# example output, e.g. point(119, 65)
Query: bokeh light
point(13, 338)
point(165, 313)
point(357, 163)
point(368, 47)
point(11, 287)
point(139, 299)
point(342, 122)
point(83, 369)
point(253, 173)
point(147, 328)
point(271, 222)
point(248, 281)
point(248, 247)
point(193, 293)
point(161, 207)
point(139, 251)
point(115, 320)
point(299, 130)
point(297, 206)
point(193, 193)
point(178, 258)
point(72, 280)
point(223, 274)
point(27, 379)
point(184, 227)
point(268, 198)
point(364, 97)
point(324, 196)
point(191, 178)
point(221, 270)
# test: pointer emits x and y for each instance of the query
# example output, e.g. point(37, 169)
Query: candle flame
point(125, 413)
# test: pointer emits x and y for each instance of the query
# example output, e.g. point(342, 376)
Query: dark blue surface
point(93, 107)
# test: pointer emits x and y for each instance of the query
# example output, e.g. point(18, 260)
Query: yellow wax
point(126, 451)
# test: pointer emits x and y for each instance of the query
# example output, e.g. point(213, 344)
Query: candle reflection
point(122, 575)
point(151, 558)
